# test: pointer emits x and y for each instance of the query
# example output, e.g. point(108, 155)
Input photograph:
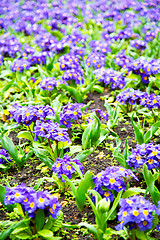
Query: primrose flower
point(112, 179)
point(101, 114)
point(110, 76)
point(50, 130)
point(96, 59)
point(20, 64)
point(148, 154)
point(74, 74)
point(4, 156)
point(31, 201)
point(130, 96)
point(135, 212)
point(139, 44)
point(48, 83)
point(69, 61)
point(29, 114)
point(64, 167)
point(72, 111)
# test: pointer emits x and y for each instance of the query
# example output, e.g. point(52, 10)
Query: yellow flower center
point(41, 200)
point(106, 194)
point(135, 213)
point(60, 134)
point(68, 167)
point(17, 194)
point(125, 213)
point(32, 205)
point(150, 161)
point(54, 206)
point(112, 180)
point(145, 212)
point(144, 223)
point(58, 165)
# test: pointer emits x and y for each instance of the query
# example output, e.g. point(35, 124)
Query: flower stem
point(57, 148)
point(49, 142)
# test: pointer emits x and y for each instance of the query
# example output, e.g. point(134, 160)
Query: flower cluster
point(74, 74)
point(50, 130)
point(64, 167)
point(110, 76)
point(122, 60)
point(148, 154)
point(9, 46)
point(31, 201)
point(100, 46)
point(113, 178)
point(49, 83)
point(69, 61)
point(135, 212)
point(29, 114)
point(4, 156)
point(139, 44)
point(20, 64)
point(96, 59)
point(72, 111)
point(130, 96)
point(144, 68)
point(151, 101)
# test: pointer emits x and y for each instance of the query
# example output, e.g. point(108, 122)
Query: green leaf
point(45, 233)
point(138, 132)
point(86, 139)
point(141, 235)
point(18, 230)
point(71, 184)
point(98, 88)
point(49, 223)
point(4, 234)
point(23, 236)
point(82, 155)
point(151, 132)
point(103, 135)
point(91, 228)
point(82, 189)
point(41, 154)
point(40, 219)
point(132, 191)
point(115, 204)
point(74, 92)
point(9, 146)
point(150, 181)
point(25, 134)
point(57, 223)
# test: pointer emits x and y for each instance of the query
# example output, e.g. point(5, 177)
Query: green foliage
point(140, 134)
point(113, 115)
point(121, 158)
point(150, 181)
point(103, 212)
point(93, 135)
point(84, 185)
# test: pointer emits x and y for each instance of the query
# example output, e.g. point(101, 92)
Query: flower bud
point(104, 205)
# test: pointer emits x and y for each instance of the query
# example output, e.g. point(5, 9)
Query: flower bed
point(80, 124)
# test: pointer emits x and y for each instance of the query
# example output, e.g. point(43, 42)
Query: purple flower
point(31, 200)
point(19, 65)
point(64, 167)
point(96, 59)
point(4, 156)
point(112, 179)
point(136, 212)
point(148, 154)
